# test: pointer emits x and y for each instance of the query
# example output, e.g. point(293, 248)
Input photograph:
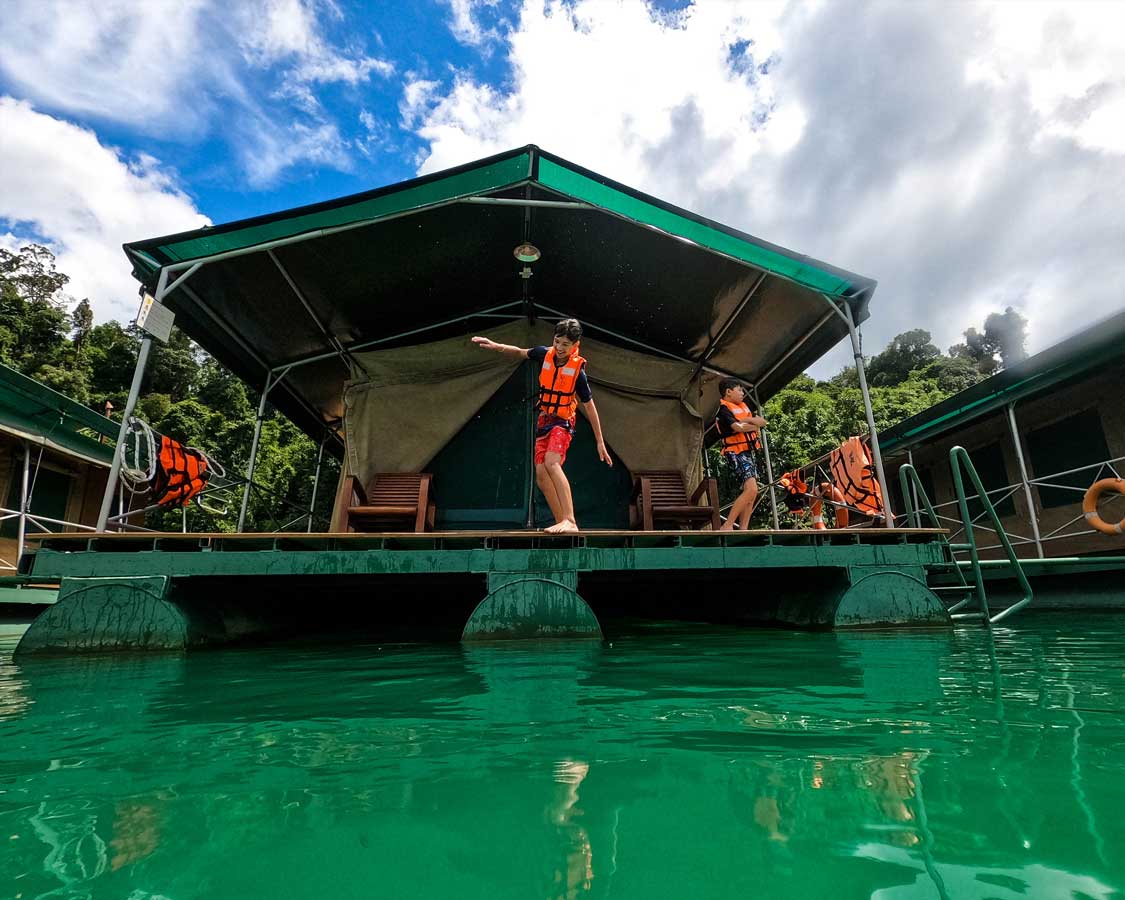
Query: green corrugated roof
point(1094, 348)
point(525, 165)
point(39, 414)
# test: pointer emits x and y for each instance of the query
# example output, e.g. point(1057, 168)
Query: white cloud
point(189, 70)
point(968, 157)
point(465, 25)
point(116, 60)
point(287, 32)
point(61, 186)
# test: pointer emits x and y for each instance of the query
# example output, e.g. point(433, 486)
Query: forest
point(187, 395)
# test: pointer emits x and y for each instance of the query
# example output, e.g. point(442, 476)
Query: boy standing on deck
point(738, 427)
point(563, 388)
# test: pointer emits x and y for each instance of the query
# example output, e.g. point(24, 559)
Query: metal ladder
point(961, 465)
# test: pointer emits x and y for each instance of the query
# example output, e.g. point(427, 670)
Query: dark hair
point(571, 329)
point(727, 383)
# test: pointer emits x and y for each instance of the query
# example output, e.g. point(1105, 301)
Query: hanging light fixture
point(526, 253)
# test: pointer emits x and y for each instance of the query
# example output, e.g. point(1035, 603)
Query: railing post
point(769, 465)
point(21, 529)
point(1032, 514)
point(130, 405)
point(888, 514)
point(254, 452)
point(914, 492)
point(316, 480)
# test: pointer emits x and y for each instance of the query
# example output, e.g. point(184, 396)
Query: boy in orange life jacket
point(563, 389)
point(738, 427)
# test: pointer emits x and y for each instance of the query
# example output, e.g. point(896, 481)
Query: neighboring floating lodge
point(354, 317)
point(1040, 433)
point(57, 456)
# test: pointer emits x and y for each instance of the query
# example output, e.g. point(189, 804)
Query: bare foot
point(727, 526)
point(565, 526)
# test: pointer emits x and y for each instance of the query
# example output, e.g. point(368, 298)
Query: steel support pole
point(769, 466)
point(134, 392)
point(21, 535)
point(1032, 515)
point(130, 405)
point(253, 454)
point(888, 514)
point(316, 481)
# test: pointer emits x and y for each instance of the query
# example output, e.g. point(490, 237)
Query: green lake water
point(674, 762)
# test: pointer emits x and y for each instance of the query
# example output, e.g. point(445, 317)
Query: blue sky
point(968, 156)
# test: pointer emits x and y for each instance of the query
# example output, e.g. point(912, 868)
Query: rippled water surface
point(674, 762)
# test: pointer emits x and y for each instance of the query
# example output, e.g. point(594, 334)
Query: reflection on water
point(673, 763)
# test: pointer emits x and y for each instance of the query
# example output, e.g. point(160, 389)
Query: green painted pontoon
point(353, 317)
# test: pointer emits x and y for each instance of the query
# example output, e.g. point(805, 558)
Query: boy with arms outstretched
point(738, 427)
point(563, 389)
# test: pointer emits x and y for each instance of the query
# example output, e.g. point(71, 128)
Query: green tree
point(81, 321)
point(908, 351)
point(1001, 343)
point(33, 318)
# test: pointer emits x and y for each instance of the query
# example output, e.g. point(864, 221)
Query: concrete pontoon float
point(354, 317)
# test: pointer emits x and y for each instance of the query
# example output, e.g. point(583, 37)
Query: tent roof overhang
point(295, 291)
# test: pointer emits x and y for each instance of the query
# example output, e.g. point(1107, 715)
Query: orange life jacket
point(181, 473)
point(557, 385)
point(796, 490)
point(854, 474)
point(740, 441)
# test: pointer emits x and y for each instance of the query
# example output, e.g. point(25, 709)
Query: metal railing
point(961, 466)
point(996, 496)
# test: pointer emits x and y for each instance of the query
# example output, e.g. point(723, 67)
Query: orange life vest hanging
point(854, 474)
point(796, 490)
point(557, 385)
point(740, 441)
point(181, 473)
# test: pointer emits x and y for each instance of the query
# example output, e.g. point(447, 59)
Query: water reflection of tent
point(308, 300)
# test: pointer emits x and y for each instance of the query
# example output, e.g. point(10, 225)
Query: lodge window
point(989, 463)
point(1075, 441)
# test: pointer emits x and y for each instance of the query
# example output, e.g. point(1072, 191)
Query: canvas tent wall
point(412, 401)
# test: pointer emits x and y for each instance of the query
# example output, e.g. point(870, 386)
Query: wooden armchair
point(663, 497)
point(394, 499)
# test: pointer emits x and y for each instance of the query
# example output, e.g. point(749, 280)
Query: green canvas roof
point(35, 413)
point(1089, 350)
point(432, 257)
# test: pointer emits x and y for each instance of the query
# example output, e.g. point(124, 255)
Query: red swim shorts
point(557, 440)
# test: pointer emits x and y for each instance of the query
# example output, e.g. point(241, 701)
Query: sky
point(968, 156)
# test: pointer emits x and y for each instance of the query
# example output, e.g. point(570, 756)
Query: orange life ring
point(1090, 505)
point(825, 489)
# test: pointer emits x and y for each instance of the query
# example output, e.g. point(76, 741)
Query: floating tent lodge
point(354, 316)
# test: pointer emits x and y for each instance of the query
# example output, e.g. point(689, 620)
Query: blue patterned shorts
point(742, 466)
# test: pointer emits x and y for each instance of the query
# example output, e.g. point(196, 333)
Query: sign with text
point(155, 318)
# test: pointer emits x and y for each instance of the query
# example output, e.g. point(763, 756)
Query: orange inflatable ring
point(1090, 505)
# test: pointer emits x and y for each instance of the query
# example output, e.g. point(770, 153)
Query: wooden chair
point(393, 499)
point(663, 497)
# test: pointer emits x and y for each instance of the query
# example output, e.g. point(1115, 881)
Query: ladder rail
point(961, 466)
